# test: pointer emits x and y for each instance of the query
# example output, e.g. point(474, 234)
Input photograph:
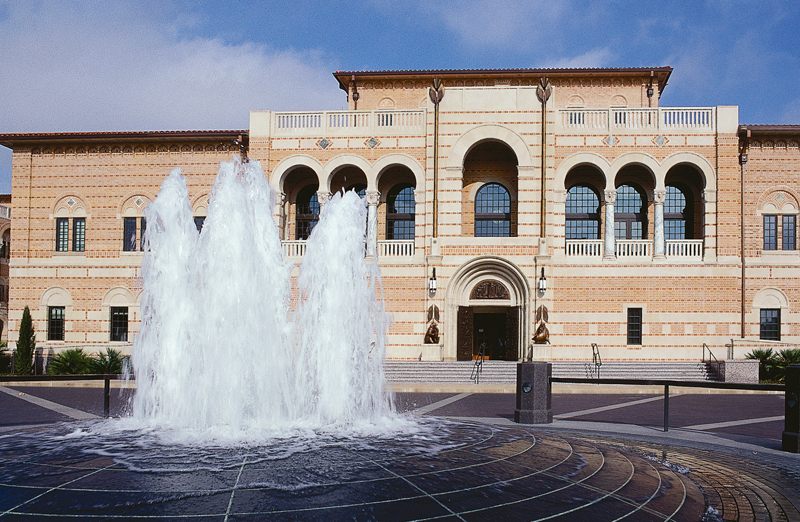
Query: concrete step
point(504, 372)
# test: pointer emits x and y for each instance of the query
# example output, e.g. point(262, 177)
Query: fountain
point(248, 408)
point(217, 349)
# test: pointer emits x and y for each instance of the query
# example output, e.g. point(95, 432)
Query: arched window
point(400, 209)
point(677, 210)
point(583, 213)
point(492, 211)
point(630, 214)
point(307, 211)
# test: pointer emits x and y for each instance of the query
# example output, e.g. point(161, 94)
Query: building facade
point(562, 205)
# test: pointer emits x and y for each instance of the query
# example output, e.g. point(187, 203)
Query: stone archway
point(488, 293)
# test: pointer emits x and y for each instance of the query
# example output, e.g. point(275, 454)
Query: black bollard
point(791, 427)
point(106, 395)
point(533, 393)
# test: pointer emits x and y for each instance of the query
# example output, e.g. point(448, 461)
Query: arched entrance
point(487, 310)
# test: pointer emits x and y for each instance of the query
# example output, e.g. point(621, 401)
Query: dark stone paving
point(492, 472)
point(478, 472)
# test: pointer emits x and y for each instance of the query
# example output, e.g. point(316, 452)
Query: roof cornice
point(21, 140)
point(660, 74)
point(749, 131)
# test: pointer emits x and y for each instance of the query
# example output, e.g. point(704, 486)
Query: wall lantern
point(543, 282)
point(432, 284)
point(356, 96)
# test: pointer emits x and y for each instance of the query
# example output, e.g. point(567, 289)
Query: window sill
point(780, 255)
point(69, 254)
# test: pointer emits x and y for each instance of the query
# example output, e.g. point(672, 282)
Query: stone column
point(281, 218)
point(610, 241)
point(373, 196)
point(658, 231)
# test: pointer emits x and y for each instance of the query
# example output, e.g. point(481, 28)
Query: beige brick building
point(619, 218)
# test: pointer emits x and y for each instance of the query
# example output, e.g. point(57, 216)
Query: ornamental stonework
point(490, 289)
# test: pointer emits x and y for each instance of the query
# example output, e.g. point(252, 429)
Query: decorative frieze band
point(145, 148)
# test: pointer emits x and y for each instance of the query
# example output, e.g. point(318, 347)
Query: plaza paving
point(604, 457)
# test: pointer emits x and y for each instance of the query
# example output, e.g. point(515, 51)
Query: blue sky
point(181, 65)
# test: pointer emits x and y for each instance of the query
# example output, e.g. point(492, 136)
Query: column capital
point(659, 196)
point(373, 197)
point(610, 196)
point(419, 195)
point(323, 197)
point(709, 196)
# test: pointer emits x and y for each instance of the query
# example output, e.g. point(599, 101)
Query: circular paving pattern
point(450, 471)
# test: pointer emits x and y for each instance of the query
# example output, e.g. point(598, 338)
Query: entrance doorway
point(494, 330)
point(489, 336)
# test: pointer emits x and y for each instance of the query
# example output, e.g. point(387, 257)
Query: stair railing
point(711, 356)
point(596, 361)
point(477, 368)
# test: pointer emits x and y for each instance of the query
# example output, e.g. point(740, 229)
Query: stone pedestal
point(791, 429)
point(431, 352)
point(533, 393)
point(739, 370)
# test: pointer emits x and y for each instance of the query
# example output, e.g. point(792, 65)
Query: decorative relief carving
point(490, 289)
point(149, 148)
point(659, 196)
point(373, 197)
point(610, 196)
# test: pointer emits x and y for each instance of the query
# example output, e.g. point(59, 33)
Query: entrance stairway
point(505, 372)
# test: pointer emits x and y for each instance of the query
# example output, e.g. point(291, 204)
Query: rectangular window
point(62, 234)
point(635, 326)
point(119, 323)
point(674, 229)
point(143, 228)
point(770, 324)
point(55, 323)
point(789, 232)
point(78, 234)
point(770, 232)
point(129, 234)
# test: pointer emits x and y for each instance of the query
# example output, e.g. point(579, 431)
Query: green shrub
point(5, 360)
point(789, 356)
point(23, 361)
point(771, 365)
point(767, 363)
point(109, 362)
point(69, 362)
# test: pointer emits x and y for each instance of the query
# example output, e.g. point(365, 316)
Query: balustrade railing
point(585, 247)
point(684, 248)
point(659, 119)
point(625, 248)
point(389, 248)
point(633, 248)
point(396, 248)
point(294, 248)
point(348, 123)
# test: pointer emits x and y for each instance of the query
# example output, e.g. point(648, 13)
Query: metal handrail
point(597, 362)
point(477, 368)
point(711, 356)
point(666, 383)
point(106, 377)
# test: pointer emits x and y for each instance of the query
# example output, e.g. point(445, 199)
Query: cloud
point(104, 66)
point(503, 25)
point(111, 69)
point(594, 58)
